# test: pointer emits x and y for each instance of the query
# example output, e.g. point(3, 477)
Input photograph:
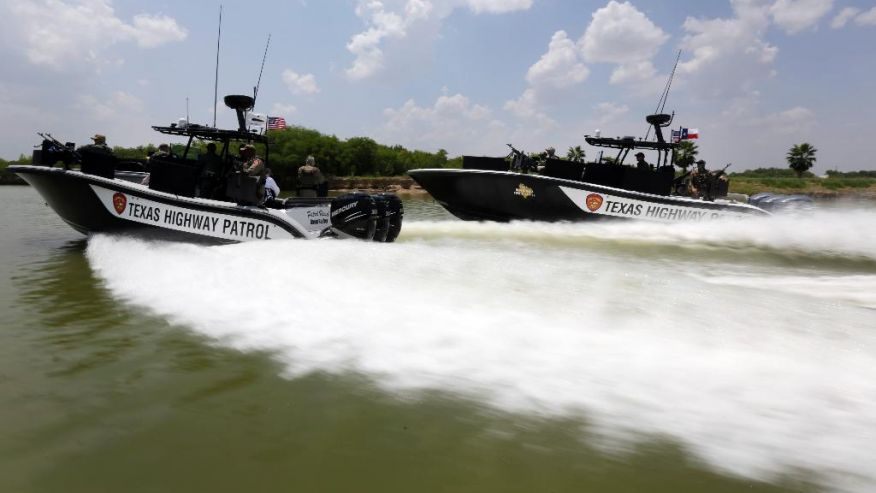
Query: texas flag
point(690, 133)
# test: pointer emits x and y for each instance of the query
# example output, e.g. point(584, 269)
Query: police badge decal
point(120, 202)
point(593, 201)
point(524, 191)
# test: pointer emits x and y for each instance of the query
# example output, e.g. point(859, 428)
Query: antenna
point(255, 92)
point(216, 82)
point(661, 103)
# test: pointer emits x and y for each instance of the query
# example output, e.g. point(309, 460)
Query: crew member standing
point(254, 166)
point(700, 182)
point(98, 145)
point(310, 179)
point(211, 171)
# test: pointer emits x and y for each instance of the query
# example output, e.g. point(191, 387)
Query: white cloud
point(498, 6)
point(795, 121)
point(393, 20)
point(284, 110)
point(607, 112)
point(714, 40)
point(446, 108)
point(453, 122)
point(729, 55)
point(300, 84)
point(868, 18)
point(844, 16)
point(634, 72)
point(620, 33)
point(526, 106)
point(560, 66)
point(155, 30)
point(57, 33)
point(118, 104)
point(796, 15)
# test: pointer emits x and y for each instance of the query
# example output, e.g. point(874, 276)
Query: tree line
point(800, 158)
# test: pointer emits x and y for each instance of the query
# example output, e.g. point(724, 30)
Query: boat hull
point(479, 195)
point(91, 204)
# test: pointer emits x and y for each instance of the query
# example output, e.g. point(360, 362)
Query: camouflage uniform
point(309, 179)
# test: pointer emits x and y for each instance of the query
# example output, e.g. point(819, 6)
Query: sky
point(469, 76)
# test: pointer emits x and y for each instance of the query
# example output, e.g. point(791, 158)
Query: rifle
point(722, 170)
point(520, 161)
point(54, 150)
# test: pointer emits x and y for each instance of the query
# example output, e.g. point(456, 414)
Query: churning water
point(753, 343)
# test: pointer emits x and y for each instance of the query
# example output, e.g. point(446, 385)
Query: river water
point(521, 357)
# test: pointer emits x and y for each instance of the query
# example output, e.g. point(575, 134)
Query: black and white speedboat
point(517, 188)
point(95, 192)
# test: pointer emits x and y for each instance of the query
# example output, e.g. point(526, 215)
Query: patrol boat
point(95, 192)
point(517, 188)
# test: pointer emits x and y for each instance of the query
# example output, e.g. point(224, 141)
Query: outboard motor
point(777, 202)
point(380, 233)
point(354, 215)
point(395, 212)
point(757, 199)
point(389, 217)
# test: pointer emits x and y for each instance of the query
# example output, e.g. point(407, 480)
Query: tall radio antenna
point(216, 80)
point(255, 92)
point(661, 103)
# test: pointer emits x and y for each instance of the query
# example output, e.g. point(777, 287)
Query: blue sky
point(468, 76)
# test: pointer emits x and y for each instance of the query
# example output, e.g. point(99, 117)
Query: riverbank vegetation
point(785, 180)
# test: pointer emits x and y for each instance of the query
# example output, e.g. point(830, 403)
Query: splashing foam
point(756, 381)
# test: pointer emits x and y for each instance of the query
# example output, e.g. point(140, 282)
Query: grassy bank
point(840, 187)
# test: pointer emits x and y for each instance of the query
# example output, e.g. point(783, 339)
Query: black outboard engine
point(781, 203)
point(395, 211)
point(354, 215)
point(382, 218)
point(389, 217)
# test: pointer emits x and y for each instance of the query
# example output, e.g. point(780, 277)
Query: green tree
point(801, 157)
point(359, 157)
point(685, 154)
point(575, 154)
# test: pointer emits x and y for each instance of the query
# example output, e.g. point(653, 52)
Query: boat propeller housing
point(367, 217)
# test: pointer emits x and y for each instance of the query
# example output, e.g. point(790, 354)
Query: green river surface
point(463, 358)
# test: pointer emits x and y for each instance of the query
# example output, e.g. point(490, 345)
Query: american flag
point(276, 123)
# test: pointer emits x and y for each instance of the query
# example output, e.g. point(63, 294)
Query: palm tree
point(685, 154)
point(801, 157)
point(575, 154)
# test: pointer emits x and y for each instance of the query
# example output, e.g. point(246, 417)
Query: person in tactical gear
point(254, 166)
point(98, 145)
point(310, 178)
point(211, 171)
point(700, 183)
point(641, 164)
